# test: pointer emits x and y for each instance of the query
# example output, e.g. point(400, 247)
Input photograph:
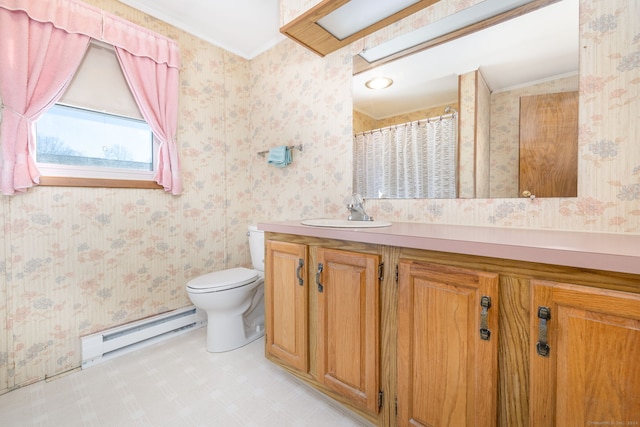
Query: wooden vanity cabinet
point(286, 304)
point(447, 345)
point(584, 356)
point(409, 350)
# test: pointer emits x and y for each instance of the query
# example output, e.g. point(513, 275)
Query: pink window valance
point(74, 16)
point(37, 38)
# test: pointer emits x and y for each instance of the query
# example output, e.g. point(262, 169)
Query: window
point(96, 130)
point(77, 142)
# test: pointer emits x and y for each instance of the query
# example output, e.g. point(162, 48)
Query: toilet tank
point(256, 246)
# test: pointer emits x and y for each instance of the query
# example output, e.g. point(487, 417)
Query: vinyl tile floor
point(176, 382)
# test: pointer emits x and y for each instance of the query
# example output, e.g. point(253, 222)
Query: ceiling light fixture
point(379, 83)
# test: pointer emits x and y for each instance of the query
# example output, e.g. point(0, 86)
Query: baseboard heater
point(103, 345)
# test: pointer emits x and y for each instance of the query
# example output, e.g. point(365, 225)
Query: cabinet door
point(588, 373)
point(348, 329)
point(447, 366)
point(286, 302)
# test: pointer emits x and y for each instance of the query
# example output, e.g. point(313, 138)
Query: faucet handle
point(356, 199)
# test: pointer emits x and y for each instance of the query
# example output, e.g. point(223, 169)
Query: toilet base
point(226, 333)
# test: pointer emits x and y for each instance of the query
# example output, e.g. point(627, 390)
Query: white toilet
point(233, 300)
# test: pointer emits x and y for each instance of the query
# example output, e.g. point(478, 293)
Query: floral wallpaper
point(74, 261)
point(467, 86)
point(483, 137)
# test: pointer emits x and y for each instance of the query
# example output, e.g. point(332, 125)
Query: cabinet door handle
point(485, 303)
point(299, 271)
point(320, 268)
point(542, 347)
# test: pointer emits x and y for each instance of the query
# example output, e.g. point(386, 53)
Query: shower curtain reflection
point(411, 160)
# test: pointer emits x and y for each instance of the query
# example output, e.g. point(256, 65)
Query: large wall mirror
point(500, 84)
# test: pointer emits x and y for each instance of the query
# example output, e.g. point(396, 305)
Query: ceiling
point(244, 27)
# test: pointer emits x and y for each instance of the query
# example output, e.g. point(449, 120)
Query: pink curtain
point(155, 88)
point(37, 62)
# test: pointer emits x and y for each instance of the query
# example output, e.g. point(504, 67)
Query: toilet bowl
point(233, 300)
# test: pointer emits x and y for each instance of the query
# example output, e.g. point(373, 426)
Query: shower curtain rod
point(430, 119)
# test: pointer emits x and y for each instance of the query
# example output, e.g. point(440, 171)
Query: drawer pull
point(299, 271)
point(318, 274)
point(542, 347)
point(485, 303)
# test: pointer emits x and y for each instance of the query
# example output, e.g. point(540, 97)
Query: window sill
point(58, 181)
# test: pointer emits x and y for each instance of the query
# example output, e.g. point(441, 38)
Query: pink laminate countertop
point(599, 251)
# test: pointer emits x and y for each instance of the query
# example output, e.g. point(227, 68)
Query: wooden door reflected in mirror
point(549, 145)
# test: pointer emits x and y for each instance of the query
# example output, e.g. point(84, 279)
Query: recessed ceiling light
point(379, 83)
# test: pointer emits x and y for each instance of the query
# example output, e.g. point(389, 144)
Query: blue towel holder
point(291, 147)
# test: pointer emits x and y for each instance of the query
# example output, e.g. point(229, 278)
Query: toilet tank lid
point(224, 279)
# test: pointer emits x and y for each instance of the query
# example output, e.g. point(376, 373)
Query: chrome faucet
point(356, 207)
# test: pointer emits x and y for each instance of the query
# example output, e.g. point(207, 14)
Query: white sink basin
point(344, 223)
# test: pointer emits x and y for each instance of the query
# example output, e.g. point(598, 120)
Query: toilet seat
point(222, 280)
